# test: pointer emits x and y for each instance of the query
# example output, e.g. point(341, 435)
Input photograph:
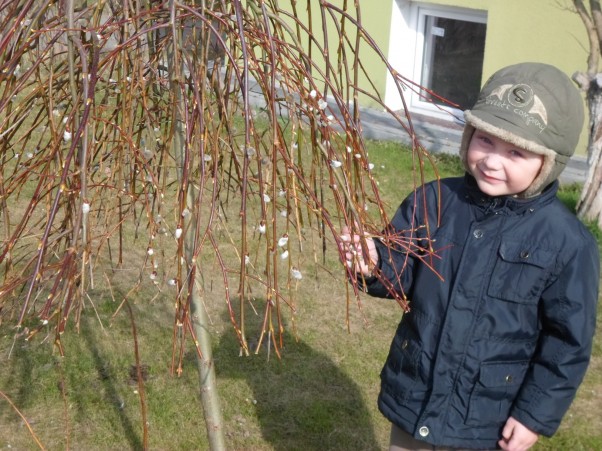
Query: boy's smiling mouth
point(489, 178)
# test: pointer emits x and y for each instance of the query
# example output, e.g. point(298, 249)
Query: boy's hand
point(352, 252)
point(517, 437)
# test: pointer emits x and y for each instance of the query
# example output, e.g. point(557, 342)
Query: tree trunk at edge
point(589, 207)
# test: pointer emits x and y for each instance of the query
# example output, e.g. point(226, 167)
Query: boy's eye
point(485, 139)
point(516, 153)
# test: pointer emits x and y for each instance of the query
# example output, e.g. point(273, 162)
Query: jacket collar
point(508, 204)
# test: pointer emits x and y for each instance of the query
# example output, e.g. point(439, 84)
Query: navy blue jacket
point(501, 320)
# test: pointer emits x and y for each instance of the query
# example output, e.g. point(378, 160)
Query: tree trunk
point(589, 207)
point(200, 321)
point(210, 400)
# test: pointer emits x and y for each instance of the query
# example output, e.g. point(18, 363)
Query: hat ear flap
point(550, 170)
point(464, 143)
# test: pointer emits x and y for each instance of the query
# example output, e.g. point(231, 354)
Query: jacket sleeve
point(402, 243)
point(568, 316)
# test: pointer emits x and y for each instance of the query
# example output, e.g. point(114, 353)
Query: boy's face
point(499, 167)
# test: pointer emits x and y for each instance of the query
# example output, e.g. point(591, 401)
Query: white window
point(441, 49)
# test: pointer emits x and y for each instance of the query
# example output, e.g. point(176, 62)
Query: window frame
point(408, 25)
point(422, 12)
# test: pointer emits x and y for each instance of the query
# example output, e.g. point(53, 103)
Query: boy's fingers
point(350, 239)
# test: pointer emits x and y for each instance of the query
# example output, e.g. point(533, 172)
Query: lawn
point(320, 395)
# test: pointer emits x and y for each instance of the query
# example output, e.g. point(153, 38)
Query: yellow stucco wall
point(374, 17)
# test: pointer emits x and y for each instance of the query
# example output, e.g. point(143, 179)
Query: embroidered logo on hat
point(521, 100)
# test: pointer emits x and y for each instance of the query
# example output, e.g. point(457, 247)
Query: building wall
point(375, 18)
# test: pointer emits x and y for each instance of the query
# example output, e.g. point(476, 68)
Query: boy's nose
point(493, 161)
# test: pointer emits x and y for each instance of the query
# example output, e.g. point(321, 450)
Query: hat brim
point(510, 132)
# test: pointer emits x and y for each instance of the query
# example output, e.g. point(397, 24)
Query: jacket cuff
point(525, 418)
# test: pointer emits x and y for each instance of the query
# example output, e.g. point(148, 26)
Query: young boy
point(500, 323)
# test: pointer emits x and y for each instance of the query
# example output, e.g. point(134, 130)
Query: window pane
point(453, 60)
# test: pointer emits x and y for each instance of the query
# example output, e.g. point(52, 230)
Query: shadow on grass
point(302, 402)
point(21, 376)
point(34, 377)
point(111, 396)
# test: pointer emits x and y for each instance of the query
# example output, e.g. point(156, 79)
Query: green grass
point(569, 195)
point(321, 395)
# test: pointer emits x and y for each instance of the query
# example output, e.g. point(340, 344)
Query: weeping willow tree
point(183, 139)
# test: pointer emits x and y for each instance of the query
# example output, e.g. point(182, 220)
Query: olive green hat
point(535, 107)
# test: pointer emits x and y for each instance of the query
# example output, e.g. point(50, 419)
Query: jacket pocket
point(520, 272)
point(495, 391)
point(401, 370)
